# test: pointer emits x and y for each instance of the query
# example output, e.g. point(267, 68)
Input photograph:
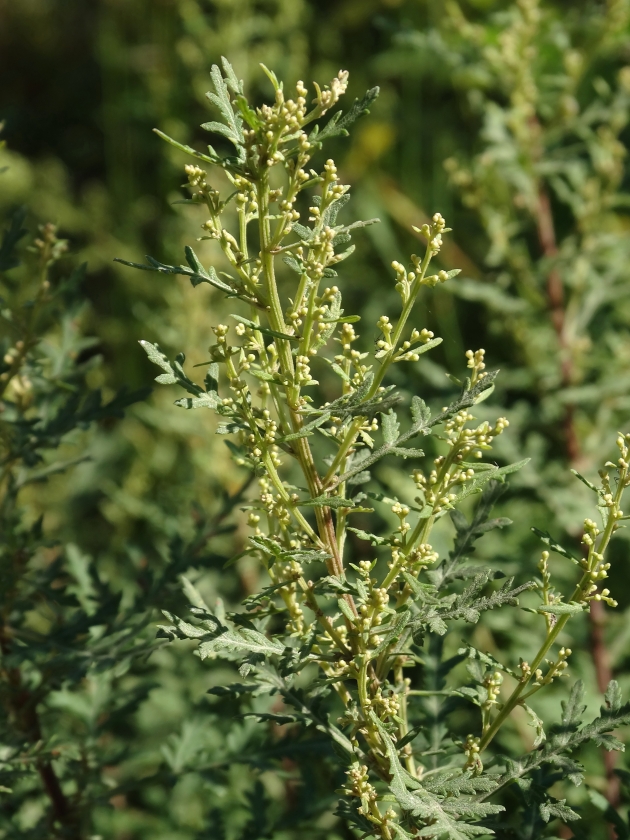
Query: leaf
point(195, 278)
point(569, 735)
point(553, 545)
point(233, 128)
point(478, 482)
point(470, 604)
point(293, 263)
point(420, 412)
point(392, 635)
point(235, 85)
point(193, 595)
point(345, 609)
point(240, 640)
point(189, 151)
point(485, 658)
point(442, 817)
point(338, 124)
point(561, 609)
point(201, 275)
point(421, 425)
point(175, 375)
point(585, 481)
point(234, 689)
point(372, 538)
point(280, 720)
point(390, 427)
point(613, 696)
point(557, 810)
point(333, 502)
point(537, 723)
point(204, 401)
point(467, 534)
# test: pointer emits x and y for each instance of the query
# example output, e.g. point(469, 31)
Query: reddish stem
point(597, 614)
point(22, 709)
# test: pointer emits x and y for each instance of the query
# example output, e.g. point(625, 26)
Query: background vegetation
point(511, 120)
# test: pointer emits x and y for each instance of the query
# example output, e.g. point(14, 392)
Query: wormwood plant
point(71, 655)
point(59, 641)
point(352, 645)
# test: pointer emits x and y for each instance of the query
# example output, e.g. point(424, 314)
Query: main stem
point(323, 515)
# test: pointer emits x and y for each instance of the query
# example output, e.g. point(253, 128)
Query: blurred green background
point(509, 118)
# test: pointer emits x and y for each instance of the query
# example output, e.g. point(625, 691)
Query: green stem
point(274, 310)
point(578, 594)
point(355, 426)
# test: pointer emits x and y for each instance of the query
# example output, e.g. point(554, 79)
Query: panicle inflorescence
point(360, 622)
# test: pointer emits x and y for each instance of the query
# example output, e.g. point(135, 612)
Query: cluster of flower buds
point(303, 371)
point(405, 353)
point(473, 758)
point(557, 668)
point(472, 440)
point(372, 610)
point(435, 491)
point(331, 94)
point(384, 344)
point(50, 248)
point(359, 786)
point(385, 706)
point(492, 683)
point(433, 234)
point(475, 362)
point(273, 503)
point(246, 200)
point(346, 338)
point(197, 177)
point(402, 512)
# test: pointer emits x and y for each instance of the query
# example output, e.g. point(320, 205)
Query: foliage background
point(82, 86)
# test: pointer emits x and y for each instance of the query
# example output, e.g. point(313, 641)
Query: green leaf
point(333, 502)
point(372, 538)
point(496, 474)
point(189, 151)
point(538, 725)
point(346, 611)
point(390, 427)
point(585, 481)
point(240, 640)
point(613, 696)
point(234, 689)
point(485, 658)
point(557, 810)
point(466, 534)
point(553, 545)
point(420, 412)
point(175, 375)
point(561, 609)
point(195, 278)
point(563, 739)
point(306, 430)
point(233, 128)
point(445, 817)
point(392, 635)
point(204, 401)
point(193, 594)
point(338, 124)
point(231, 80)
